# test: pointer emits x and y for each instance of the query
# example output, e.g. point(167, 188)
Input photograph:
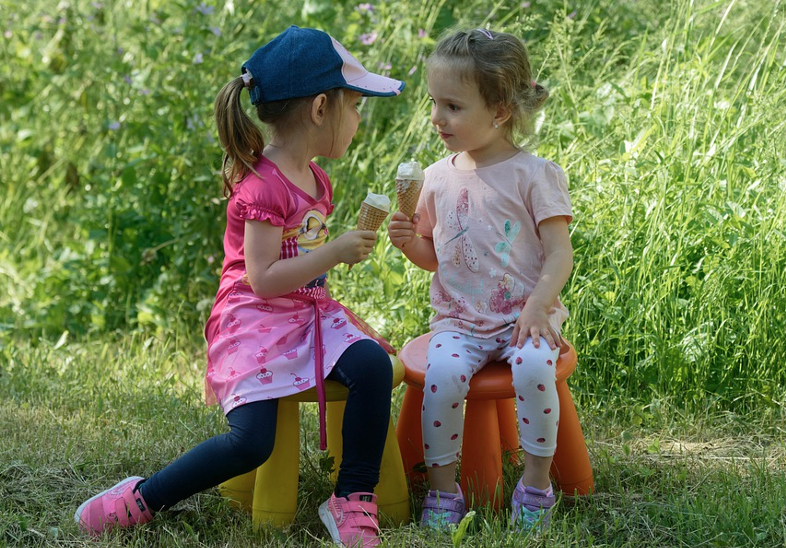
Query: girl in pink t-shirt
point(492, 224)
point(274, 330)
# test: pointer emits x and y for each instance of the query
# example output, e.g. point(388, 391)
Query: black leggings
point(364, 369)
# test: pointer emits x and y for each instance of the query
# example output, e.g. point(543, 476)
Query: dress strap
point(319, 366)
point(319, 358)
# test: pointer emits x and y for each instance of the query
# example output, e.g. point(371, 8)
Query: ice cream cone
point(408, 192)
point(409, 183)
point(370, 217)
point(373, 211)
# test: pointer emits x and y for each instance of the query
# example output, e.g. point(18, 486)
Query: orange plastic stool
point(490, 427)
point(269, 493)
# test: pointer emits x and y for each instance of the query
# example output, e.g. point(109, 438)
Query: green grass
point(95, 412)
point(668, 117)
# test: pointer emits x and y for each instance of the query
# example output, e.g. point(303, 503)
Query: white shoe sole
point(330, 523)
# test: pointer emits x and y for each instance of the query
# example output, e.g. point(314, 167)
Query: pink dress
point(262, 349)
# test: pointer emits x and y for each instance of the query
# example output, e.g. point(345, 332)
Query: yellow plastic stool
point(270, 491)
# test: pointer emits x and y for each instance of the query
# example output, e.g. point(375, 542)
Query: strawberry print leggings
point(452, 360)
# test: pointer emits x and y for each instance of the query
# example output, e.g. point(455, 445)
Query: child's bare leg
point(442, 478)
point(536, 471)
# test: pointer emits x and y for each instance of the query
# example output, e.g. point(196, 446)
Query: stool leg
point(481, 457)
point(335, 441)
point(508, 428)
point(571, 465)
point(275, 491)
point(409, 432)
point(240, 490)
point(392, 493)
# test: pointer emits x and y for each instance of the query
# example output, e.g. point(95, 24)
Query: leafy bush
point(664, 115)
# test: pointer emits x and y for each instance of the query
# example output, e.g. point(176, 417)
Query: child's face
point(345, 123)
point(460, 115)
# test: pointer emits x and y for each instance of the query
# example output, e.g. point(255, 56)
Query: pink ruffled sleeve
point(254, 211)
point(257, 200)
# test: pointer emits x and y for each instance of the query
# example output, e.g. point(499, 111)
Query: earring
point(496, 126)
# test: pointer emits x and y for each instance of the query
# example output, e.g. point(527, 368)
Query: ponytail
point(239, 136)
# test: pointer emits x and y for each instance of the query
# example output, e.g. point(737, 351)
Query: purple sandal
point(531, 508)
point(441, 510)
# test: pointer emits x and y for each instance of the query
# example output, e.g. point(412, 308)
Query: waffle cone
point(370, 217)
point(408, 192)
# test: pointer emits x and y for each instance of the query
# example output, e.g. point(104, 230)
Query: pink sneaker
point(119, 506)
point(352, 521)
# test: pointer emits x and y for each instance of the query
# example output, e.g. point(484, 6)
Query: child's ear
point(319, 109)
point(502, 115)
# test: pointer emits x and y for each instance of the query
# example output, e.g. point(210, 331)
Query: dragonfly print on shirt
point(458, 222)
point(504, 247)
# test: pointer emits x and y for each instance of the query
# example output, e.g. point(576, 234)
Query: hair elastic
point(247, 78)
point(533, 84)
point(486, 33)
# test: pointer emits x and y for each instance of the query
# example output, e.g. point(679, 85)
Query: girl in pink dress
point(492, 224)
point(274, 330)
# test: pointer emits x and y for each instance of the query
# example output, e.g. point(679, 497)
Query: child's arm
point(419, 250)
point(271, 276)
point(534, 318)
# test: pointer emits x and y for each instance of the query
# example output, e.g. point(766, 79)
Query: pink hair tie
point(247, 78)
point(486, 33)
point(533, 83)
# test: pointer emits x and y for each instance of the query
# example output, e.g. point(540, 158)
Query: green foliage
point(666, 116)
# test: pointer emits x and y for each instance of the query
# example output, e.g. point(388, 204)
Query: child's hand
point(354, 246)
point(534, 322)
point(401, 230)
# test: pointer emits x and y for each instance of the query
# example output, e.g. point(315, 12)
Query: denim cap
point(301, 62)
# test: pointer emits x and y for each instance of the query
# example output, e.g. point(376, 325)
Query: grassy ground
point(97, 412)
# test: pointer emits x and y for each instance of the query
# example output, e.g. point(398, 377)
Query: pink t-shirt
point(484, 225)
point(281, 203)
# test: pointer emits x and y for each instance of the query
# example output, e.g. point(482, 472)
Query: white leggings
point(452, 360)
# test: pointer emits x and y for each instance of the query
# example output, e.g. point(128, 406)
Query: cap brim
point(376, 85)
point(359, 79)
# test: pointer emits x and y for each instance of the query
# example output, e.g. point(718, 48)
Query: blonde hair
point(242, 139)
point(498, 63)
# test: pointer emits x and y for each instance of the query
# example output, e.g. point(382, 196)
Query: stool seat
point(269, 493)
point(493, 382)
point(490, 427)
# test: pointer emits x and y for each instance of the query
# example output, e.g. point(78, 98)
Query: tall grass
point(680, 263)
point(667, 117)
